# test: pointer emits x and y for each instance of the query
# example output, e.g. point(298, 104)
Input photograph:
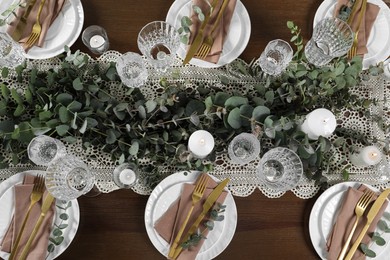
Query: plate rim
point(213, 251)
point(15, 179)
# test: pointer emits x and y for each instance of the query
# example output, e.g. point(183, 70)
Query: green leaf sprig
point(57, 234)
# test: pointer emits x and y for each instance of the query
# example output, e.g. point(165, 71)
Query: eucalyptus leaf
point(234, 118)
point(235, 101)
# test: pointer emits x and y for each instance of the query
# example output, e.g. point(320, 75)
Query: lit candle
point(369, 155)
point(320, 122)
point(97, 42)
point(201, 143)
point(127, 177)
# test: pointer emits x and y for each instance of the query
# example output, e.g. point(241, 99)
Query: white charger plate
point(379, 41)
point(235, 42)
point(65, 30)
point(323, 216)
point(166, 193)
point(7, 211)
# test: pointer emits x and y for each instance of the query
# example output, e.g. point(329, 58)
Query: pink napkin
point(22, 202)
point(368, 21)
point(220, 32)
point(49, 13)
point(344, 223)
point(169, 224)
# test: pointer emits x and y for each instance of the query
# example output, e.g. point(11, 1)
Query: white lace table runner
point(243, 180)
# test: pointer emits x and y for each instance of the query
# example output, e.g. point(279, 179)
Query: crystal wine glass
point(44, 149)
point(276, 57)
point(244, 148)
point(11, 52)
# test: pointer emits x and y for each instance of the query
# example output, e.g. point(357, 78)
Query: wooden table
point(112, 225)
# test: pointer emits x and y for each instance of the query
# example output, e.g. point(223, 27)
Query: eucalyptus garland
point(75, 101)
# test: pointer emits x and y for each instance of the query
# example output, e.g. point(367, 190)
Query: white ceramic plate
point(165, 194)
point(7, 208)
point(379, 41)
point(65, 30)
point(235, 43)
point(323, 216)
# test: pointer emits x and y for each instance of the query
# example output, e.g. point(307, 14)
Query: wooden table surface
point(112, 225)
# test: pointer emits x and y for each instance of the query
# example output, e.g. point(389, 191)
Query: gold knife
point(370, 217)
point(214, 195)
point(17, 34)
point(199, 37)
point(45, 207)
point(353, 12)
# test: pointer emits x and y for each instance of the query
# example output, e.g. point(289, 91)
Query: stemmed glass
point(244, 148)
point(44, 149)
point(159, 42)
point(276, 57)
point(280, 169)
point(131, 69)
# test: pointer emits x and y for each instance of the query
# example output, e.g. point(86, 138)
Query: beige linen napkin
point(220, 32)
point(168, 225)
point(344, 223)
point(50, 11)
point(22, 201)
point(369, 18)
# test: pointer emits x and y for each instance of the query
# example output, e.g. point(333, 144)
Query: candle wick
point(325, 120)
point(201, 141)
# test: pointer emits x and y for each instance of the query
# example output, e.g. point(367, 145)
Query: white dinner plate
point(379, 41)
point(7, 210)
point(166, 193)
point(235, 43)
point(323, 216)
point(65, 30)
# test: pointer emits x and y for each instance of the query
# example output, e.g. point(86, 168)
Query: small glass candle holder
point(244, 148)
point(276, 57)
point(367, 156)
point(125, 175)
point(132, 70)
point(43, 149)
point(96, 39)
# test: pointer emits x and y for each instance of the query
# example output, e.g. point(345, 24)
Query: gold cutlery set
point(201, 46)
point(36, 196)
point(197, 195)
point(360, 208)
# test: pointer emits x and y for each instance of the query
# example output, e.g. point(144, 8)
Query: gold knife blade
point(199, 37)
point(211, 199)
point(17, 34)
point(370, 217)
point(45, 207)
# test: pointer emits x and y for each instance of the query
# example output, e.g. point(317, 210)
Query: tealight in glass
point(125, 175)
point(44, 149)
point(96, 39)
point(331, 38)
point(159, 42)
point(276, 57)
point(280, 169)
point(244, 148)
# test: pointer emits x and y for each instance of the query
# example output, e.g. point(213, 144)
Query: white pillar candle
point(320, 122)
point(201, 143)
point(127, 177)
point(369, 155)
point(97, 42)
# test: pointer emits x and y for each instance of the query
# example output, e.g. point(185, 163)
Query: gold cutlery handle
point(220, 14)
point(344, 250)
point(17, 241)
point(27, 247)
point(357, 242)
point(353, 12)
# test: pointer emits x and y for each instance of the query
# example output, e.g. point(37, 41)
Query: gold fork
point(196, 196)
point(205, 48)
point(361, 206)
point(36, 195)
point(353, 51)
point(36, 30)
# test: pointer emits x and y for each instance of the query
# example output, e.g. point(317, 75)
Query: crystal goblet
point(44, 149)
point(244, 148)
point(159, 42)
point(331, 38)
point(131, 69)
point(68, 177)
point(276, 57)
point(11, 52)
point(280, 169)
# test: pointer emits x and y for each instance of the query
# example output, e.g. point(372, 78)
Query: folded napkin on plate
point(49, 13)
point(220, 31)
point(168, 225)
point(22, 201)
point(344, 223)
point(368, 20)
